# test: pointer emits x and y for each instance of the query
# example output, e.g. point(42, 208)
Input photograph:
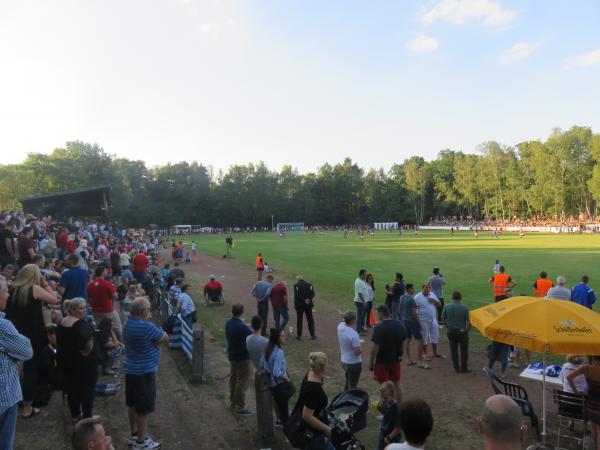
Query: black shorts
point(140, 392)
point(116, 271)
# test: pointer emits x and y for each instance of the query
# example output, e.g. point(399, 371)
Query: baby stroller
point(348, 415)
point(214, 296)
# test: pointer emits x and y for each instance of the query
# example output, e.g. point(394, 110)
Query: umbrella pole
point(544, 397)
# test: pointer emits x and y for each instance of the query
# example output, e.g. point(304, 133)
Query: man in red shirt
point(101, 293)
point(213, 286)
point(280, 305)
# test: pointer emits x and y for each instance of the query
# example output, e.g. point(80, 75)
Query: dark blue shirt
point(584, 295)
point(236, 333)
point(75, 282)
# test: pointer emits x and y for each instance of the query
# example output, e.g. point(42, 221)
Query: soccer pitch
point(332, 263)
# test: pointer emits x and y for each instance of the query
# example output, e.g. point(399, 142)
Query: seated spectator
point(186, 306)
point(8, 273)
point(559, 292)
point(389, 407)
point(256, 343)
point(501, 424)
point(213, 286)
point(110, 347)
point(416, 423)
point(573, 363)
point(89, 434)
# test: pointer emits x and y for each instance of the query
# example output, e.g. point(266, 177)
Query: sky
point(298, 82)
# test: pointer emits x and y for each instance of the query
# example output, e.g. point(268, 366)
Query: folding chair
point(518, 394)
point(571, 408)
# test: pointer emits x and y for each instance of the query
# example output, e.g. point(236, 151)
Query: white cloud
point(208, 28)
point(231, 22)
point(517, 52)
point(423, 44)
point(489, 13)
point(585, 60)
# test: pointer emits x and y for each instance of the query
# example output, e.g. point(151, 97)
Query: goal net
point(385, 225)
point(290, 226)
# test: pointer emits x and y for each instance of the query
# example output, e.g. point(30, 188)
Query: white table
point(553, 381)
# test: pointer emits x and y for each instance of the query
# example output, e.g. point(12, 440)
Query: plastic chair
point(518, 394)
point(571, 408)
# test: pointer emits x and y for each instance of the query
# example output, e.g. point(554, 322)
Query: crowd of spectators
point(564, 225)
point(76, 295)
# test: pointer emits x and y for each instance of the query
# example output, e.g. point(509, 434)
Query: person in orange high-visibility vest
point(260, 266)
point(542, 285)
point(501, 282)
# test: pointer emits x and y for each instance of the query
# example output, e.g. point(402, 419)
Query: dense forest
point(558, 178)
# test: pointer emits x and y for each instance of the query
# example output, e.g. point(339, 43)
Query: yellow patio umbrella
point(542, 325)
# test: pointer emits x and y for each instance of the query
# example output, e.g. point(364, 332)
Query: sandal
point(34, 412)
point(424, 366)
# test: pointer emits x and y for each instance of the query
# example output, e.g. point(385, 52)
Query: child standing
point(389, 406)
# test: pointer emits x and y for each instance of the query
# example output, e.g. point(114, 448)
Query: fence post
point(198, 354)
point(264, 404)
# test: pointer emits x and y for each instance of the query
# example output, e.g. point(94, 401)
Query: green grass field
point(331, 262)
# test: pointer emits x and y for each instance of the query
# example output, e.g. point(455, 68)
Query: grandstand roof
point(90, 201)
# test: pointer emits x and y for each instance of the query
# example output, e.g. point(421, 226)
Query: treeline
point(557, 178)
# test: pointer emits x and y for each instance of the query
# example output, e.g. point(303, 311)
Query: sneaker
point(132, 439)
point(244, 412)
point(148, 444)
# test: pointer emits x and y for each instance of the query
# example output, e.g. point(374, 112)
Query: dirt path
point(455, 400)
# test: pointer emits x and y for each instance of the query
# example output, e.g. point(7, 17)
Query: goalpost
point(290, 226)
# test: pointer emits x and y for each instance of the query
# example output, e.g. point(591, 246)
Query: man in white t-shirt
point(427, 304)
point(351, 353)
point(361, 295)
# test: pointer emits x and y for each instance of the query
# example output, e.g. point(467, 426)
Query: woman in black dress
point(313, 401)
point(76, 361)
point(28, 293)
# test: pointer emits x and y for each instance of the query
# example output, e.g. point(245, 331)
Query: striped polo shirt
point(142, 356)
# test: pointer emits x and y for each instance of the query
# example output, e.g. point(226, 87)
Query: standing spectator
point(7, 244)
point(140, 264)
point(542, 285)
point(142, 357)
point(304, 294)
point(456, 319)
point(115, 266)
point(236, 332)
point(24, 310)
point(186, 306)
point(591, 372)
point(360, 299)
point(262, 292)
point(583, 294)
point(279, 303)
point(101, 295)
point(370, 299)
point(389, 407)
point(501, 283)
point(124, 260)
point(25, 247)
point(416, 422)
point(559, 292)
point(175, 292)
point(498, 351)
point(83, 254)
point(89, 434)
point(273, 361)
point(73, 282)
point(396, 291)
point(77, 363)
point(386, 352)
point(437, 282)
point(14, 348)
point(255, 343)
point(427, 304)
point(350, 350)
point(412, 326)
point(501, 425)
point(260, 266)
point(313, 402)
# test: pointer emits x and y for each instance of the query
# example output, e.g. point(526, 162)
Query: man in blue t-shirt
point(73, 282)
point(583, 293)
point(236, 332)
point(142, 357)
